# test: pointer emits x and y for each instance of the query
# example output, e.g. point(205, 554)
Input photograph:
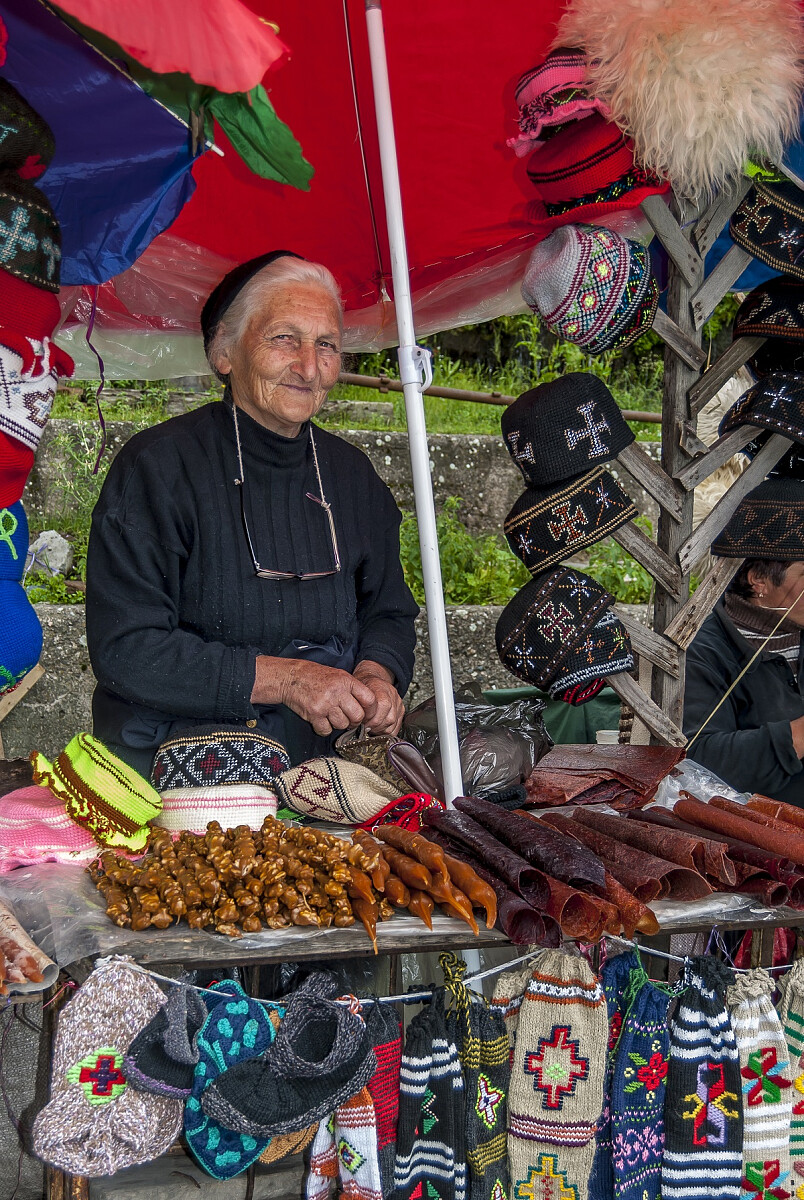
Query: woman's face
point(779, 597)
point(287, 359)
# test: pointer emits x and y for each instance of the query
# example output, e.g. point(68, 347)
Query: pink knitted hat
point(552, 94)
point(231, 804)
point(35, 828)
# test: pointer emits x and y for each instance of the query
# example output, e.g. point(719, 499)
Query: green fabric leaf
point(638, 1059)
point(265, 143)
point(632, 1087)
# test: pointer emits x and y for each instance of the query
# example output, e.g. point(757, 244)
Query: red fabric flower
point(653, 1074)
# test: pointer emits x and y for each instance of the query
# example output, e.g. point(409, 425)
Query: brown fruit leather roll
point(518, 874)
point(634, 915)
point(645, 876)
point(769, 891)
point(751, 814)
point(579, 915)
point(674, 847)
point(553, 855)
point(777, 841)
point(778, 810)
point(518, 921)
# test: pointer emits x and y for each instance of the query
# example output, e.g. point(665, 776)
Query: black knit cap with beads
point(28, 144)
point(217, 756)
point(770, 225)
point(775, 402)
point(767, 523)
point(561, 429)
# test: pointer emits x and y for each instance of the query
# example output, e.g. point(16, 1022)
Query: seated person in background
point(755, 739)
point(243, 564)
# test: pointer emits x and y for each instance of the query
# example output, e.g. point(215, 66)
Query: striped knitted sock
point(703, 1112)
point(638, 1089)
point(345, 1145)
point(614, 978)
point(507, 1000)
point(791, 1016)
point(385, 1032)
point(767, 1086)
point(556, 1093)
point(430, 1152)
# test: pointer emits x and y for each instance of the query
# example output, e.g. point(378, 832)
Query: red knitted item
point(29, 310)
point(584, 157)
point(384, 1089)
point(16, 461)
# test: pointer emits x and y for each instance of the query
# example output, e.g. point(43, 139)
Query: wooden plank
point(718, 453)
point(686, 623)
point(655, 481)
point(655, 647)
point(646, 552)
point(647, 710)
point(723, 368)
point(699, 542)
point(710, 225)
point(718, 282)
point(673, 337)
point(11, 699)
point(670, 234)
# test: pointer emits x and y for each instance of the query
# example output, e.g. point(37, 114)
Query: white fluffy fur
point(699, 85)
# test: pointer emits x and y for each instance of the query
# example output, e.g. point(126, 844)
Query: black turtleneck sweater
point(175, 613)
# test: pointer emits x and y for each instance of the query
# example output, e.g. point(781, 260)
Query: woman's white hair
point(255, 295)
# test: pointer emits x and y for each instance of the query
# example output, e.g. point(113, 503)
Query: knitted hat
point(551, 94)
point(163, 1055)
point(767, 1076)
point(233, 805)
point(557, 1079)
point(28, 317)
point(545, 620)
point(639, 1078)
point(345, 1148)
point(102, 793)
point(560, 429)
point(385, 1034)
point(776, 402)
point(321, 1056)
point(767, 523)
point(791, 1016)
point(236, 1030)
point(288, 1143)
point(13, 541)
point(30, 238)
point(232, 284)
point(34, 828)
point(770, 225)
point(547, 525)
point(94, 1123)
point(606, 650)
point(16, 461)
point(26, 140)
point(509, 992)
point(592, 287)
point(216, 756)
point(430, 1140)
point(774, 310)
point(614, 977)
point(26, 397)
point(20, 635)
point(703, 1112)
point(331, 789)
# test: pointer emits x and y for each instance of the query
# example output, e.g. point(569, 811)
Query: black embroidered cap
point(606, 650)
point(30, 237)
point(767, 523)
point(560, 429)
point(28, 144)
point(217, 756)
point(546, 525)
point(770, 225)
point(776, 403)
point(539, 627)
point(230, 287)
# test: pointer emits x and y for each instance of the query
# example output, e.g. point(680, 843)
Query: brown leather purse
point(396, 761)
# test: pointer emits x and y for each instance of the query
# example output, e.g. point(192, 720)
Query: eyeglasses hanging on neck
point(267, 572)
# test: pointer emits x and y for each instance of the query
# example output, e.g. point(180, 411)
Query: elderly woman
point(243, 564)
point(755, 739)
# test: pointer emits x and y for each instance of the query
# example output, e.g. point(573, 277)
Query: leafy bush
point(619, 573)
point(47, 589)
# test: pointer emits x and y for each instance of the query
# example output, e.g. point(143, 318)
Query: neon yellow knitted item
point(101, 793)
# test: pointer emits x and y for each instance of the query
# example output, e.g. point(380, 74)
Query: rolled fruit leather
point(775, 840)
point(670, 845)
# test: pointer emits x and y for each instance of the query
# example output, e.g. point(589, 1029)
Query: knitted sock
point(346, 1146)
point(637, 1090)
point(237, 1028)
point(703, 1112)
point(556, 1093)
point(509, 991)
point(482, 1043)
point(162, 1056)
point(430, 1157)
point(767, 1079)
point(614, 978)
point(94, 1123)
point(385, 1033)
point(791, 1016)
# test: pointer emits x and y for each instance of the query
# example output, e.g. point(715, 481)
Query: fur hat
point(546, 525)
point(592, 287)
point(770, 225)
point(560, 429)
point(699, 87)
point(606, 650)
point(767, 523)
point(552, 94)
point(543, 623)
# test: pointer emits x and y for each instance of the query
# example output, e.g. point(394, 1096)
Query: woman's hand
point(388, 710)
point(325, 696)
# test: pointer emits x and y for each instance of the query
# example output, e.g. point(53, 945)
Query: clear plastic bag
point(700, 782)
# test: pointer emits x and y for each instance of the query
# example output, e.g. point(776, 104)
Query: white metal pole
point(415, 373)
